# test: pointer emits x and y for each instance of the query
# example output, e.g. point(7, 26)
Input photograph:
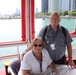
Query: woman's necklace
point(39, 60)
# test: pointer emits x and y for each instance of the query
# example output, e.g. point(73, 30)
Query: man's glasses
point(40, 45)
point(54, 18)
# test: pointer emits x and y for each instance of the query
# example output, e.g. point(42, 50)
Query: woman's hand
point(53, 67)
point(26, 72)
point(55, 70)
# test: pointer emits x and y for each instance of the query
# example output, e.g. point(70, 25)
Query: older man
point(57, 38)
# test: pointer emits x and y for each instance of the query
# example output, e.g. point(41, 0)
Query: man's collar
point(51, 26)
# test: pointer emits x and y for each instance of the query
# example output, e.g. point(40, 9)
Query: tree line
point(72, 13)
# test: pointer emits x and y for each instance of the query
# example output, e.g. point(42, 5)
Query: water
point(12, 31)
point(69, 24)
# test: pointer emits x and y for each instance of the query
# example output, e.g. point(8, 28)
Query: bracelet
point(69, 57)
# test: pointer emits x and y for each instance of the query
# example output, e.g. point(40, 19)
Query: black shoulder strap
point(63, 30)
point(44, 33)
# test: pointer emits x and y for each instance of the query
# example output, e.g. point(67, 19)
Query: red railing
point(10, 56)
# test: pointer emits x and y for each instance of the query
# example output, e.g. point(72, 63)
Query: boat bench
point(14, 65)
point(6, 64)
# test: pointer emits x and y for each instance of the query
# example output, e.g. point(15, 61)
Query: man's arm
point(70, 61)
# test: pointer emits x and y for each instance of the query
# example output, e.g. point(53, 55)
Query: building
point(58, 5)
point(36, 10)
point(73, 4)
point(68, 5)
point(44, 5)
point(53, 5)
point(65, 5)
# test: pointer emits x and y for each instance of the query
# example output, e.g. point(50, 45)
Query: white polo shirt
point(29, 62)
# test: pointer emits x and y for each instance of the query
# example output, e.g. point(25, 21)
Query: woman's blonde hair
point(37, 38)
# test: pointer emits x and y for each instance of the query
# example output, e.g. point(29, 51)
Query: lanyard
point(40, 62)
point(54, 34)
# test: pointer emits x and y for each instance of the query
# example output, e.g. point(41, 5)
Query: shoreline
point(65, 17)
point(9, 18)
point(39, 17)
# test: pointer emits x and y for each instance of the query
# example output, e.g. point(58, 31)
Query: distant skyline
point(38, 5)
point(9, 6)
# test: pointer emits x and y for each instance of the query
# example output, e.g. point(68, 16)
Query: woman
point(37, 60)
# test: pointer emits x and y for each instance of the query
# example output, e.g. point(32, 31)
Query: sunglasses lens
point(38, 45)
point(35, 45)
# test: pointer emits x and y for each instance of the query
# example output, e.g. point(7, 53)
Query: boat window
point(10, 20)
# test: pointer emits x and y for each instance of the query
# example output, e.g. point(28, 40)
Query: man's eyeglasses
point(54, 18)
point(40, 45)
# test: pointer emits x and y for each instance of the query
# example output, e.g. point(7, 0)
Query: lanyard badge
point(52, 46)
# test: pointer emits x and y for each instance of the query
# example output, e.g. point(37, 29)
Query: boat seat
point(14, 67)
point(6, 64)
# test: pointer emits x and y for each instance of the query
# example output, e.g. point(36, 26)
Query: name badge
point(52, 46)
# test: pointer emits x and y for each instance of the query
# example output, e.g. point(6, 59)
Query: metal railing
point(12, 45)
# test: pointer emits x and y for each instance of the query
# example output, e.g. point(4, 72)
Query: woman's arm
point(28, 49)
point(26, 72)
point(53, 67)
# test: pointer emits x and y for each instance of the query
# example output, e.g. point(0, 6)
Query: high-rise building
point(44, 5)
point(36, 10)
point(68, 5)
point(65, 5)
point(56, 5)
point(74, 4)
point(53, 5)
point(60, 4)
point(17, 11)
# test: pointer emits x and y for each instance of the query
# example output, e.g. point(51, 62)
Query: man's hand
point(71, 63)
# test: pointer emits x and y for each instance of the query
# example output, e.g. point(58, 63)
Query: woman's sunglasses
point(40, 45)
